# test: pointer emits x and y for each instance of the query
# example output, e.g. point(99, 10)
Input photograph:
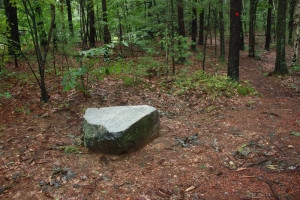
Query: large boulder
point(119, 129)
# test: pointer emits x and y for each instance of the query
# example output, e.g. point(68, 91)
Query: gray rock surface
point(119, 129)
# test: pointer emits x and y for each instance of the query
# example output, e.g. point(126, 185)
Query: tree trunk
point(222, 32)
point(291, 21)
point(252, 20)
point(295, 58)
point(13, 37)
point(40, 25)
point(242, 42)
point(234, 40)
point(107, 38)
point(194, 27)
point(83, 25)
point(172, 37)
point(280, 66)
point(201, 27)
point(91, 17)
point(181, 28)
point(269, 23)
point(70, 17)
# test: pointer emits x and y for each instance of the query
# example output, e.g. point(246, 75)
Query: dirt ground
point(225, 148)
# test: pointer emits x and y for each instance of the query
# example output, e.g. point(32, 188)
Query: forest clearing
point(229, 128)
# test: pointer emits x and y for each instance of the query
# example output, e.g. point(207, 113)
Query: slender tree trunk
point(269, 23)
point(242, 42)
point(41, 57)
point(208, 26)
point(222, 32)
point(252, 20)
point(181, 27)
point(204, 52)
point(12, 27)
point(172, 37)
point(91, 17)
point(194, 28)
point(295, 58)
point(107, 38)
point(280, 66)
point(84, 34)
point(54, 40)
point(70, 17)
point(40, 25)
point(291, 21)
point(234, 40)
point(201, 27)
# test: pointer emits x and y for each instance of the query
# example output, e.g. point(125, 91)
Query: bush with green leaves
point(74, 79)
point(77, 78)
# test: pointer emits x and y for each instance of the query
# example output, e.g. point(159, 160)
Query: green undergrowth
point(213, 85)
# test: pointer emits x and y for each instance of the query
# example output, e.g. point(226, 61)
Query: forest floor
point(241, 147)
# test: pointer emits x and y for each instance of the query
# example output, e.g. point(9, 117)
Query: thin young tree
point(40, 23)
point(222, 32)
point(68, 2)
point(252, 23)
point(201, 27)
point(269, 23)
point(295, 57)
point(242, 42)
point(12, 34)
point(234, 39)
point(194, 27)
point(280, 65)
point(91, 19)
point(292, 4)
point(41, 56)
point(181, 27)
point(107, 38)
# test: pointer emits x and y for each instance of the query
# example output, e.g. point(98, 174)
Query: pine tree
point(234, 40)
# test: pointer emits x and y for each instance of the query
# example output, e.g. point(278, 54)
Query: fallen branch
point(257, 163)
point(275, 194)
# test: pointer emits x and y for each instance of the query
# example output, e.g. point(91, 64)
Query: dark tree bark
point(41, 57)
point(269, 23)
point(172, 37)
point(234, 40)
point(107, 38)
point(194, 28)
point(291, 21)
point(181, 28)
point(252, 20)
point(70, 17)
point(201, 27)
point(54, 39)
point(280, 66)
point(91, 17)
point(83, 24)
point(242, 42)
point(40, 25)
point(222, 32)
point(295, 57)
point(12, 27)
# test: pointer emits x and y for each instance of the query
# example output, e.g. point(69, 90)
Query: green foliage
point(130, 81)
point(295, 134)
point(74, 79)
point(71, 150)
point(23, 110)
point(296, 68)
point(6, 95)
point(213, 85)
point(245, 90)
